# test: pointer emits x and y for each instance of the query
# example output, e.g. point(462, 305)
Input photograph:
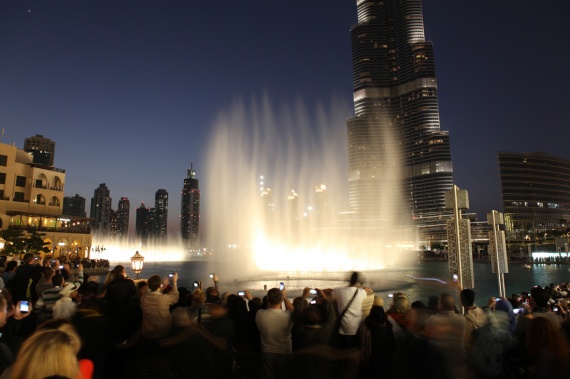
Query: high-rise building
point(101, 210)
point(161, 206)
point(123, 213)
point(190, 212)
point(397, 154)
point(536, 194)
point(74, 206)
point(142, 225)
point(113, 225)
point(41, 148)
point(321, 205)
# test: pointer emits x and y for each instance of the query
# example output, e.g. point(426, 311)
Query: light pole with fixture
point(137, 262)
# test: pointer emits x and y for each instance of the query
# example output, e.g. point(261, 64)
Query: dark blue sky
point(129, 90)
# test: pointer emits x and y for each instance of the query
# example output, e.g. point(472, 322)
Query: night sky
point(129, 90)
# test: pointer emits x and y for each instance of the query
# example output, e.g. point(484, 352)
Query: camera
point(390, 295)
point(24, 306)
point(61, 267)
point(197, 284)
point(517, 310)
point(212, 276)
point(455, 277)
point(281, 286)
point(241, 293)
point(171, 275)
point(554, 309)
point(313, 292)
point(314, 301)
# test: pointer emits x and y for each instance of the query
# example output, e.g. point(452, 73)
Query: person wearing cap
point(65, 307)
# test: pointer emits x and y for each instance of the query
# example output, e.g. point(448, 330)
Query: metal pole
point(495, 226)
point(457, 238)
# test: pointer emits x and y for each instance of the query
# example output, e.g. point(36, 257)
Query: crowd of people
point(57, 323)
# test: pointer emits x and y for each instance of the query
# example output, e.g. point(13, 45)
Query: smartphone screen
point(281, 286)
point(24, 307)
point(241, 293)
point(313, 292)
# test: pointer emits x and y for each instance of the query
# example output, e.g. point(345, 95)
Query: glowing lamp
point(137, 262)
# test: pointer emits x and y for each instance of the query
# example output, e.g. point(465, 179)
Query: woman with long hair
point(48, 352)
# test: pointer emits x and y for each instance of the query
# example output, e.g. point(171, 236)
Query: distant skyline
point(130, 90)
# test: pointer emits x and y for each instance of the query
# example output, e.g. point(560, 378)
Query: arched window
point(56, 184)
point(54, 202)
point(40, 200)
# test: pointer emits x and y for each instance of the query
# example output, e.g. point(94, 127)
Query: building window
point(20, 181)
point(2, 178)
point(18, 196)
point(1, 194)
point(3, 160)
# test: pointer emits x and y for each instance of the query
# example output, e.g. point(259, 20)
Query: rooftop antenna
point(191, 172)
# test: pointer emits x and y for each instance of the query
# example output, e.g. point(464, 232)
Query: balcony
point(56, 188)
point(31, 229)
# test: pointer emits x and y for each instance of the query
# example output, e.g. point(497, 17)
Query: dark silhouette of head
point(154, 282)
point(355, 278)
point(274, 297)
point(467, 297)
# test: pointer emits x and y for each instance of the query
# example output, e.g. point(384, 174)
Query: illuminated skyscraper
point(123, 210)
point(321, 205)
point(397, 154)
point(161, 206)
point(100, 210)
point(190, 212)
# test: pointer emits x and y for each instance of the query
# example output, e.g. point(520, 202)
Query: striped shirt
point(47, 301)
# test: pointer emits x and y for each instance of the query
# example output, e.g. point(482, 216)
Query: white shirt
point(353, 316)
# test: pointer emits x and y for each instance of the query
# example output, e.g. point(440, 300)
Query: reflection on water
point(383, 282)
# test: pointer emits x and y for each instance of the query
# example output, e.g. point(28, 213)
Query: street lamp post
point(137, 262)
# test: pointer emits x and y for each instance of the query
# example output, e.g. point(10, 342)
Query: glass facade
point(190, 212)
point(397, 154)
point(536, 193)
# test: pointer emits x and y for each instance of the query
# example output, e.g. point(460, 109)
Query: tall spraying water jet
point(276, 192)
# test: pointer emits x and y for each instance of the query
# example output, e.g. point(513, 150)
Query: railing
point(57, 188)
point(30, 229)
point(42, 186)
point(21, 200)
point(53, 204)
